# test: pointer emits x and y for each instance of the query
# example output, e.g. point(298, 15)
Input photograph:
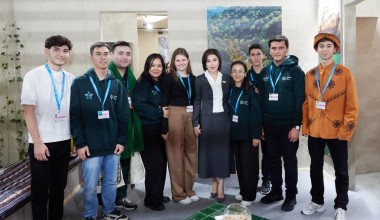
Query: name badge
point(235, 118)
point(273, 97)
point(103, 114)
point(321, 105)
point(60, 117)
point(189, 108)
point(130, 102)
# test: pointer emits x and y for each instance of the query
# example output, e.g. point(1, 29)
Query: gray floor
point(364, 201)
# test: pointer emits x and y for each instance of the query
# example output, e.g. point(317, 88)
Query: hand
point(119, 149)
point(262, 134)
point(83, 153)
point(165, 136)
point(41, 152)
point(166, 112)
point(256, 90)
point(293, 135)
point(197, 130)
point(255, 142)
point(73, 152)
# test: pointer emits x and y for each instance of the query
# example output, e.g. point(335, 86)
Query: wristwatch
point(297, 127)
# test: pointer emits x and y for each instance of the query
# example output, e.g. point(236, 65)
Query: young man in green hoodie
point(99, 124)
point(283, 95)
point(120, 67)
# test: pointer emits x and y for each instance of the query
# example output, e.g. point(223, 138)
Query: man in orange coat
point(330, 114)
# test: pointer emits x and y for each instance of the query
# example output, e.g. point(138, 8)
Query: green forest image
point(232, 30)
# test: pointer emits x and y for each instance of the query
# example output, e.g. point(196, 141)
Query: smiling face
point(238, 73)
point(100, 57)
point(181, 63)
point(212, 63)
point(122, 57)
point(326, 49)
point(57, 56)
point(156, 68)
point(278, 51)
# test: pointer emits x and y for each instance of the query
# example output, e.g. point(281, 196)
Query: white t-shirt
point(217, 92)
point(37, 90)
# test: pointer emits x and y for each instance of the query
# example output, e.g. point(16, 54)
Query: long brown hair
point(172, 69)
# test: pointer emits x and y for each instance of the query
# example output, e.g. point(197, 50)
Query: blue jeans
point(91, 170)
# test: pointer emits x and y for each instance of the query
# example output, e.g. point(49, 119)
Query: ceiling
point(157, 21)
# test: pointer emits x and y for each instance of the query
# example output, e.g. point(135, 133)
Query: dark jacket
point(249, 124)
point(100, 135)
point(147, 102)
point(203, 101)
point(290, 89)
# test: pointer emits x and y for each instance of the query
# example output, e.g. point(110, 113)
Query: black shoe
point(114, 215)
point(89, 218)
point(126, 204)
point(289, 204)
point(271, 197)
point(165, 199)
point(158, 207)
point(265, 187)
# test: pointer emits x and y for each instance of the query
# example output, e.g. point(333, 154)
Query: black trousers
point(49, 180)
point(265, 163)
point(155, 163)
point(339, 155)
point(280, 148)
point(247, 166)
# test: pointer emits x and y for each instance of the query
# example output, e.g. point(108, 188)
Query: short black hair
point(255, 46)
point(208, 52)
point(58, 40)
point(97, 45)
point(279, 38)
point(119, 43)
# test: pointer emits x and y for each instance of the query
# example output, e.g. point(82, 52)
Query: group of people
point(110, 116)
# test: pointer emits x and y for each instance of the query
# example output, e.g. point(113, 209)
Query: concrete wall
point(368, 78)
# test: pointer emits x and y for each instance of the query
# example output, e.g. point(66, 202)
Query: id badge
point(60, 117)
point(103, 114)
point(273, 97)
point(321, 105)
point(130, 102)
point(189, 108)
point(235, 118)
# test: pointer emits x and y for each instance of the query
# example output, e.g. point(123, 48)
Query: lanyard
point(237, 101)
point(188, 82)
point(271, 80)
point(157, 89)
point(57, 100)
point(327, 83)
point(97, 93)
point(251, 77)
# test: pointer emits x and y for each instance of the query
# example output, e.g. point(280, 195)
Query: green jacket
point(290, 89)
point(100, 135)
point(135, 142)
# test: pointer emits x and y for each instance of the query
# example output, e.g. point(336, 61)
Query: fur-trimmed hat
point(327, 36)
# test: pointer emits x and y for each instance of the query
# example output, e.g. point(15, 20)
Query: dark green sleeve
point(143, 107)
point(122, 114)
point(299, 94)
point(76, 119)
point(255, 115)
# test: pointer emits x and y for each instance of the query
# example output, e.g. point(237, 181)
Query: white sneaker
point(246, 203)
point(340, 214)
point(239, 197)
point(194, 198)
point(185, 201)
point(313, 207)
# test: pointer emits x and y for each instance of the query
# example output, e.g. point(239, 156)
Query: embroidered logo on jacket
point(113, 97)
point(88, 95)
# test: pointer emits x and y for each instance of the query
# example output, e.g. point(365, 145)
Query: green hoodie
point(100, 135)
point(290, 89)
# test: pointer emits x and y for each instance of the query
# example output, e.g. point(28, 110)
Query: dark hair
point(148, 63)
point(245, 85)
point(58, 40)
point(279, 38)
point(172, 69)
point(97, 45)
point(119, 43)
point(255, 46)
point(208, 52)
